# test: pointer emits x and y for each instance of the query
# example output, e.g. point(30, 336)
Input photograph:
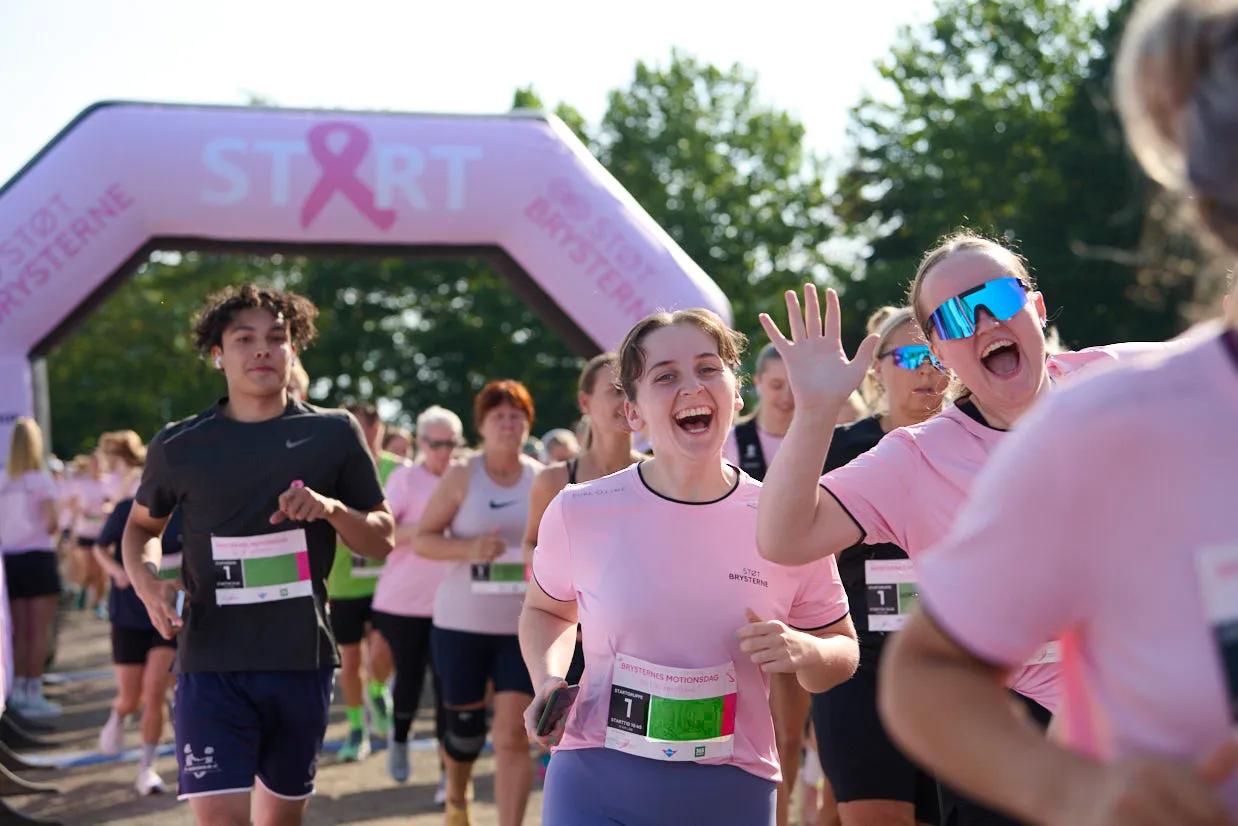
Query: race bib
point(677, 714)
point(170, 566)
point(503, 576)
point(363, 566)
point(1217, 567)
point(891, 591)
point(267, 568)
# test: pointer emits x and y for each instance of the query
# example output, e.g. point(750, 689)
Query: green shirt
point(343, 582)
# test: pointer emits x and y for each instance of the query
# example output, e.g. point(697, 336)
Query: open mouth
point(694, 419)
point(1002, 358)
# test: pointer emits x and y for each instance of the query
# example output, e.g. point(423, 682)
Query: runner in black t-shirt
point(263, 484)
point(873, 781)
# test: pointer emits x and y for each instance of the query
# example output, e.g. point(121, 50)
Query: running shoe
point(36, 706)
point(397, 761)
point(440, 794)
point(112, 736)
point(356, 747)
point(379, 708)
point(457, 815)
point(149, 782)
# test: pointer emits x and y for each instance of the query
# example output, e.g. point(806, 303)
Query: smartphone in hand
point(556, 708)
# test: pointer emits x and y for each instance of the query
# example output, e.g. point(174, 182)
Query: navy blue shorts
point(465, 661)
point(234, 726)
point(603, 787)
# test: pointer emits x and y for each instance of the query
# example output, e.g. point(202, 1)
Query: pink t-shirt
point(667, 582)
point(23, 525)
point(769, 446)
point(1085, 526)
point(407, 585)
point(910, 487)
point(92, 496)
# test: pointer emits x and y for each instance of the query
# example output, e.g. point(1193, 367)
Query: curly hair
point(221, 308)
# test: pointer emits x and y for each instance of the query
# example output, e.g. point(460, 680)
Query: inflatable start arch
point(124, 179)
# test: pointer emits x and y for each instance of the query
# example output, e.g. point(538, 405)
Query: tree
point(996, 117)
point(726, 175)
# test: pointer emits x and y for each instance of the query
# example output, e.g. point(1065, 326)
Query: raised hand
point(820, 373)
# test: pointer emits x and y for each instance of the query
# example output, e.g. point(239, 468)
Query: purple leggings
point(603, 787)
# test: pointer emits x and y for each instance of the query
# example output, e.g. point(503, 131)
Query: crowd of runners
point(956, 578)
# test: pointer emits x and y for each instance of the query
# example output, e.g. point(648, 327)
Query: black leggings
point(409, 640)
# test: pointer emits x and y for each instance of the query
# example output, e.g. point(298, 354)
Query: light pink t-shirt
point(23, 525)
point(667, 582)
point(769, 446)
point(910, 487)
point(407, 585)
point(92, 495)
point(1085, 527)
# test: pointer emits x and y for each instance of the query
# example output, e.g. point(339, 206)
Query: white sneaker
point(112, 736)
point(440, 794)
point(149, 782)
point(38, 706)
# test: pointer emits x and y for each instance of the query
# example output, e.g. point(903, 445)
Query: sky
point(813, 58)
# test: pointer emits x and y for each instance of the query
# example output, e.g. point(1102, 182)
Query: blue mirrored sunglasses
point(1002, 297)
point(912, 356)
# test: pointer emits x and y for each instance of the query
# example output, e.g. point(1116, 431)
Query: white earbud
point(219, 363)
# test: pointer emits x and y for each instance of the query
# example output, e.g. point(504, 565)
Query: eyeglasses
point(956, 318)
point(439, 444)
point(912, 356)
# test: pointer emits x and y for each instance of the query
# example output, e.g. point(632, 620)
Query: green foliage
point(996, 116)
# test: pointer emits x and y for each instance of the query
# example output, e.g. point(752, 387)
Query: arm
point(370, 533)
point(50, 517)
point(142, 551)
point(952, 713)
point(820, 659)
point(431, 540)
point(547, 640)
point(546, 485)
point(795, 523)
point(110, 565)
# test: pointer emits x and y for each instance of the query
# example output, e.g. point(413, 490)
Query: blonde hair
point(884, 322)
point(1177, 94)
point(961, 241)
point(125, 444)
point(731, 343)
point(25, 448)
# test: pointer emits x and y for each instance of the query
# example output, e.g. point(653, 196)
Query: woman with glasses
point(983, 319)
point(404, 596)
point(1107, 521)
point(872, 780)
point(475, 519)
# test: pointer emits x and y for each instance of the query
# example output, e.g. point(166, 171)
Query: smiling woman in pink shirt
point(1107, 522)
point(683, 621)
point(983, 319)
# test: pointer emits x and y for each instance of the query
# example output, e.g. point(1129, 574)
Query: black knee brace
point(466, 734)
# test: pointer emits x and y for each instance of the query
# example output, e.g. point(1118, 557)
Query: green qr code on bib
point(908, 596)
point(679, 720)
point(507, 572)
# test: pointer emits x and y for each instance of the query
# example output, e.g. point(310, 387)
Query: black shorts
point(86, 543)
point(957, 810)
point(131, 645)
point(858, 756)
point(465, 661)
point(32, 574)
point(349, 618)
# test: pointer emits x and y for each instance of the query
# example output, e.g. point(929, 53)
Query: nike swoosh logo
point(290, 444)
point(496, 505)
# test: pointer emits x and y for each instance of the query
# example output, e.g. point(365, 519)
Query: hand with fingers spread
point(1153, 791)
point(820, 373)
point(774, 646)
point(301, 504)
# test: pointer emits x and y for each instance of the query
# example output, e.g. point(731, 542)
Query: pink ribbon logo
point(339, 174)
